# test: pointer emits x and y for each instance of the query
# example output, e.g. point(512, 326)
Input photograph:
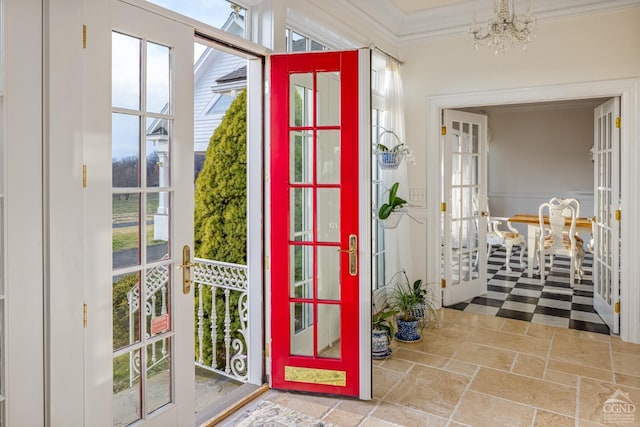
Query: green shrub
point(221, 217)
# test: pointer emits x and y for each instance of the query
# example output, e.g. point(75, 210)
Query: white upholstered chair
point(554, 240)
point(498, 236)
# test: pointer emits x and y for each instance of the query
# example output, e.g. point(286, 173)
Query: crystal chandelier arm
point(506, 28)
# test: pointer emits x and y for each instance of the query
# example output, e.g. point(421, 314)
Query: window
point(297, 42)
point(221, 104)
point(142, 215)
point(377, 232)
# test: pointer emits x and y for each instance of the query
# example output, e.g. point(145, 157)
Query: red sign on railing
point(160, 324)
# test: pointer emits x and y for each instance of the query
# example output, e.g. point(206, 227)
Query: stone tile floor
point(481, 370)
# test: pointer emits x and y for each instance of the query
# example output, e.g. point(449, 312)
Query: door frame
point(628, 91)
point(364, 213)
point(22, 219)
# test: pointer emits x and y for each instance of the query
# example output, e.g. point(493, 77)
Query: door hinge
point(616, 307)
point(443, 207)
point(84, 176)
point(443, 283)
point(618, 214)
point(267, 350)
point(618, 122)
point(266, 262)
point(443, 130)
point(84, 36)
point(84, 315)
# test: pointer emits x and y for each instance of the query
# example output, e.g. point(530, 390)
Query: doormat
point(269, 414)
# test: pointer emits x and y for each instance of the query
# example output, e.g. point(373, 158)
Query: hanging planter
point(390, 155)
point(391, 212)
point(389, 159)
point(393, 219)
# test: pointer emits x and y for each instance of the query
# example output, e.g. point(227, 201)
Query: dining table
point(533, 232)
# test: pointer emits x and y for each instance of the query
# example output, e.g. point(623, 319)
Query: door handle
point(353, 254)
point(186, 269)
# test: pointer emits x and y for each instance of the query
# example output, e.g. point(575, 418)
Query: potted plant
point(392, 210)
point(389, 157)
point(381, 332)
point(415, 307)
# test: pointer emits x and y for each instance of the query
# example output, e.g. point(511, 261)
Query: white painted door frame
point(628, 90)
point(22, 214)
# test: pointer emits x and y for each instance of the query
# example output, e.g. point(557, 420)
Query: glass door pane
point(152, 215)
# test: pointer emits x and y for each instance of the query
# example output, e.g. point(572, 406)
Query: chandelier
point(505, 29)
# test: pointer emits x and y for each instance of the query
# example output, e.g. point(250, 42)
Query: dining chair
point(569, 201)
point(498, 236)
point(555, 240)
point(566, 213)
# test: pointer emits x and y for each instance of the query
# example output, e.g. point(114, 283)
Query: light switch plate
point(417, 194)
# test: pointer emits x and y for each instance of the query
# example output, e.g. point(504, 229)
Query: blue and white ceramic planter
point(380, 344)
point(407, 330)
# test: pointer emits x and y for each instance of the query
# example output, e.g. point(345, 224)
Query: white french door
point(464, 238)
point(606, 225)
point(152, 218)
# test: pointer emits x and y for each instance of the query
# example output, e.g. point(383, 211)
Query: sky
point(212, 12)
point(126, 65)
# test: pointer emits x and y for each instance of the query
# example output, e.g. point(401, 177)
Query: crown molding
point(340, 24)
point(455, 20)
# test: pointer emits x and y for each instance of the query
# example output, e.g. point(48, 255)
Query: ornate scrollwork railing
point(222, 313)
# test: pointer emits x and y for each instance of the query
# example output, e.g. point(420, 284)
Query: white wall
point(586, 48)
point(538, 153)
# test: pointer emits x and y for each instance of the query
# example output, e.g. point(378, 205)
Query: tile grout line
point(546, 362)
point(577, 412)
point(513, 364)
point(514, 402)
point(331, 409)
point(382, 399)
point(464, 393)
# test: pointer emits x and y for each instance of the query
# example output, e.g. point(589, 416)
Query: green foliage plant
point(221, 190)
point(382, 320)
point(220, 219)
point(412, 301)
point(392, 204)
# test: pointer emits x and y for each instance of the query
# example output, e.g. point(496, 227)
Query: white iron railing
point(222, 312)
point(157, 279)
point(221, 302)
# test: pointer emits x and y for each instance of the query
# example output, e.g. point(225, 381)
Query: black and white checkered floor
point(515, 296)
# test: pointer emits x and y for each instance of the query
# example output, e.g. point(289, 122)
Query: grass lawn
point(127, 238)
point(128, 210)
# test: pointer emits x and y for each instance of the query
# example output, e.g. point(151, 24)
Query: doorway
point(538, 151)
point(562, 93)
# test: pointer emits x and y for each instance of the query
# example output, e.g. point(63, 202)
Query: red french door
point(315, 342)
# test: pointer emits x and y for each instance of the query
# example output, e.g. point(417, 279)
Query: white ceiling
point(405, 20)
point(410, 6)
